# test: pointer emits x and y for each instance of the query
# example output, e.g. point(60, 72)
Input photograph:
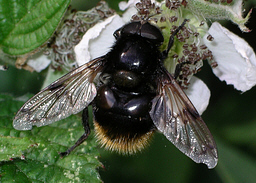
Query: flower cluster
point(231, 58)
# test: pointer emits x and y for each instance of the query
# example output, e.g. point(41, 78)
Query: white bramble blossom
point(235, 58)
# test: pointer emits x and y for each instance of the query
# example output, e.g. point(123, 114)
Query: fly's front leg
point(171, 39)
point(85, 122)
point(178, 68)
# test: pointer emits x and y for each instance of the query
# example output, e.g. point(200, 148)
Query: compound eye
point(152, 32)
point(145, 30)
point(131, 28)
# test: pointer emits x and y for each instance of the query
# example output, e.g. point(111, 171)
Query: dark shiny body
point(123, 100)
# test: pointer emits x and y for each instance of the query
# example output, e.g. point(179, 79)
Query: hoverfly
point(134, 97)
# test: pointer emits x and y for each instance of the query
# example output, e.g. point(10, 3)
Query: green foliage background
point(230, 116)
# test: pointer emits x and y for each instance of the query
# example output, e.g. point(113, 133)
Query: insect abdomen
point(122, 122)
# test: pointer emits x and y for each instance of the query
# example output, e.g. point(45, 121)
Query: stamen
point(210, 38)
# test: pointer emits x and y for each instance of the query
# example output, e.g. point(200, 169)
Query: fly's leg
point(178, 69)
point(85, 122)
point(171, 40)
point(170, 43)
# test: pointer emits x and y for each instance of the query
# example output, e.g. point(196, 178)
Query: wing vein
point(68, 95)
point(179, 121)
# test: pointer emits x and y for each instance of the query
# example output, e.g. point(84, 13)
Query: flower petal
point(39, 61)
point(199, 94)
point(129, 8)
point(98, 40)
point(123, 5)
point(236, 59)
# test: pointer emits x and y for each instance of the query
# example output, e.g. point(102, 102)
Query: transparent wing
point(175, 116)
point(68, 95)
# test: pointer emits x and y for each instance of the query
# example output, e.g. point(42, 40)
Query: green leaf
point(12, 147)
point(27, 24)
point(234, 165)
point(33, 155)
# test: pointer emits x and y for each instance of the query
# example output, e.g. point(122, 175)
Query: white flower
point(236, 59)
point(39, 61)
point(199, 94)
point(98, 40)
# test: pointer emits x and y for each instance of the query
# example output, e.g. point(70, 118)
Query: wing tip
point(21, 124)
point(209, 159)
point(211, 163)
